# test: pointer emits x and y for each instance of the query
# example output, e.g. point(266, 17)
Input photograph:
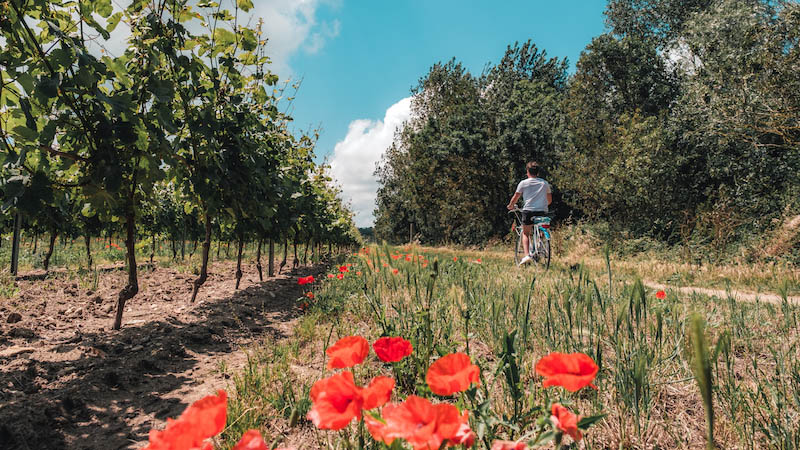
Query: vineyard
point(180, 138)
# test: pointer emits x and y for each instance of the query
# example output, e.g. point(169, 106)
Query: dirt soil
point(67, 381)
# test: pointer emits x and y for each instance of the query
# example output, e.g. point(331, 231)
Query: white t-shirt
point(534, 194)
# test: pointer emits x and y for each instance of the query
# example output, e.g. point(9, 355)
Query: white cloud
point(354, 158)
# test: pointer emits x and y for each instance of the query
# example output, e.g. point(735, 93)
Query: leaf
point(48, 87)
point(586, 422)
point(113, 21)
point(249, 40)
point(25, 133)
point(245, 5)
point(103, 7)
point(224, 37)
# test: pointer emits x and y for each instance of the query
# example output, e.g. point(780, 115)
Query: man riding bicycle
point(536, 197)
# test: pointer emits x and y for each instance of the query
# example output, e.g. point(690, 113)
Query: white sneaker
point(525, 260)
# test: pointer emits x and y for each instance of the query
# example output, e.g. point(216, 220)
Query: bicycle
point(539, 245)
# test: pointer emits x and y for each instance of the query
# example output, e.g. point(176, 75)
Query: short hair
point(533, 168)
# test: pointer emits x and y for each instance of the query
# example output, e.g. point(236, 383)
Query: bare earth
point(69, 382)
point(741, 296)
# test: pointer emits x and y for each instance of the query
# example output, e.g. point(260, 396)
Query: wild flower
point(340, 276)
point(201, 420)
point(336, 400)
point(509, 445)
point(661, 295)
point(420, 423)
point(347, 352)
point(572, 371)
point(452, 373)
point(565, 421)
point(392, 349)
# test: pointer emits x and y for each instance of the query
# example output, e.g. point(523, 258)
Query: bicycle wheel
point(544, 251)
point(519, 251)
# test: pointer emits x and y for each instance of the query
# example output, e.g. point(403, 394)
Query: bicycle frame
point(534, 241)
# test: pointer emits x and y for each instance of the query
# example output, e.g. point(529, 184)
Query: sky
point(359, 59)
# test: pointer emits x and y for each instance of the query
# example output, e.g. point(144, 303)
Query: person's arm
point(513, 202)
point(549, 195)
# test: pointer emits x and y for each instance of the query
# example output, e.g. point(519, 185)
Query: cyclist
point(536, 196)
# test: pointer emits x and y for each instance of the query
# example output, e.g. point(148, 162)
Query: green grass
point(507, 318)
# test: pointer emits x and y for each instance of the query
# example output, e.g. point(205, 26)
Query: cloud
point(354, 158)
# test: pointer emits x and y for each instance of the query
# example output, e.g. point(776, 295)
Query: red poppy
point(392, 349)
point(566, 421)
point(385, 265)
point(336, 401)
point(464, 436)
point(455, 258)
point(395, 256)
point(408, 258)
point(251, 440)
point(571, 371)
point(201, 420)
point(452, 373)
point(378, 392)
point(347, 352)
point(305, 280)
point(509, 445)
point(478, 260)
point(358, 273)
point(424, 264)
point(349, 264)
point(343, 269)
point(661, 295)
point(418, 421)
point(310, 295)
point(394, 271)
point(330, 275)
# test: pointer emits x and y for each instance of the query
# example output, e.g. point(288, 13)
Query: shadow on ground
point(92, 402)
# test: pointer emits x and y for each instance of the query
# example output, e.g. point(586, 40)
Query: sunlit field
point(507, 319)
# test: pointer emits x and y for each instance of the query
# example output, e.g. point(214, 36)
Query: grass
point(507, 318)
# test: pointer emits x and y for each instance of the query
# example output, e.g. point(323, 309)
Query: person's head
point(532, 168)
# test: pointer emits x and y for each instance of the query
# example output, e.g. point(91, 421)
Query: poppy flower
point(347, 352)
point(330, 275)
point(566, 422)
point(336, 401)
point(349, 264)
point(408, 258)
point(395, 256)
point(478, 261)
point(419, 422)
point(305, 280)
point(509, 445)
point(572, 371)
point(340, 276)
point(358, 273)
point(455, 258)
point(392, 349)
point(201, 420)
point(661, 295)
point(377, 393)
point(452, 373)
point(464, 436)
point(385, 265)
point(251, 440)
point(343, 269)
point(394, 271)
point(310, 295)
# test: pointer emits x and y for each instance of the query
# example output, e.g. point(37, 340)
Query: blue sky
point(361, 57)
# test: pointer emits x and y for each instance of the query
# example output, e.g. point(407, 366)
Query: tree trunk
point(53, 236)
point(88, 240)
point(15, 244)
point(285, 253)
point(132, 288)
point(183, 248)
point(330, 251)
point(219, 243)
point(271, 266)
point(153, 248)
point(35, 243)
point(194, 248)
point(295, 262)
point(204, 268)
point(258, 262)
point(227, 249)
point(174, 250)
point(239, 261)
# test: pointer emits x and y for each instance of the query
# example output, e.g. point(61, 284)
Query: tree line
point(179, 136)
point(679, 123)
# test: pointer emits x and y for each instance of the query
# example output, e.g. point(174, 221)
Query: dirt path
point(741, 296)
point(68, 382)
